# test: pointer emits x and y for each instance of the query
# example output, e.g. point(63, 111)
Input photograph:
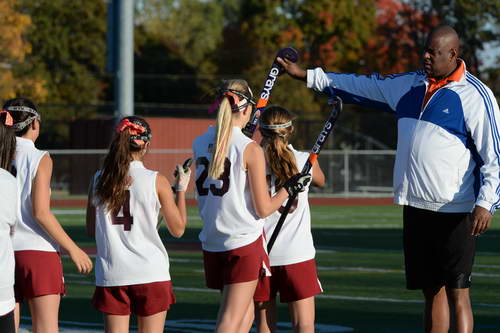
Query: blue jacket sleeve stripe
point(491, 116)
point(489, 108)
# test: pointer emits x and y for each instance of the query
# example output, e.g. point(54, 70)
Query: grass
point(360, 266)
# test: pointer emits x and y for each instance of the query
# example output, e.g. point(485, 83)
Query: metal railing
point(349, 173)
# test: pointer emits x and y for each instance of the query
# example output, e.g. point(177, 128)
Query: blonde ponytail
point(224, 125)
point(223, 130)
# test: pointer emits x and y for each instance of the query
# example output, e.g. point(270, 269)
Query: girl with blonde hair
point(233, 200)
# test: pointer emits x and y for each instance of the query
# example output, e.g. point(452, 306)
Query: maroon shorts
point(294, 282)
point(244, 264)
point(141, 299)
point(38, 273)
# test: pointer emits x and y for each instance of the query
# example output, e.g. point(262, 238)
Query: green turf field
point(360, 266)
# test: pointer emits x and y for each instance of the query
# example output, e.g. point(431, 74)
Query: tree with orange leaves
point(13, 49)
point(400, 35)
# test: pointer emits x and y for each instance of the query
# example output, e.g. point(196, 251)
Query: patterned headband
point(276, 126)
point(21, 125)
point(237, 99)
point(240, 100)
point(138, 133)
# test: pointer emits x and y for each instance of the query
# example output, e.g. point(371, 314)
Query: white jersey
point(8, 216)
point(29, 234)
point(294, 242)
point(129, 248)
point(225, 204)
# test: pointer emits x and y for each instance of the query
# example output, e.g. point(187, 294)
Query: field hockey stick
point(276, 69)
point(186, 165)
point(313, 156)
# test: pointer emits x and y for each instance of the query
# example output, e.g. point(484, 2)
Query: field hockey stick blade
point(275, 71)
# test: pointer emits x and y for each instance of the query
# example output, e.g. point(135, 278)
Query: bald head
point(441, 52)
point(445, 35)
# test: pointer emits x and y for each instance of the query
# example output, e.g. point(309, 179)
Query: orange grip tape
point(261, 103)
point(312, 158)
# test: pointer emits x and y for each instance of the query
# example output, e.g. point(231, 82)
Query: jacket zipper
point(410, 150)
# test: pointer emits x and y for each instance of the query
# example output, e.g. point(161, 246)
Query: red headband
point(230, 95)
point(133, 129)
point(8, 118)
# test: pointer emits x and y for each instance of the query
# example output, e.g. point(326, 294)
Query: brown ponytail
point(113, 181)
point(279, 157)
point(7, 141)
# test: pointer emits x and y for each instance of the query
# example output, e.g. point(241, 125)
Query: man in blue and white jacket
point(446, 173)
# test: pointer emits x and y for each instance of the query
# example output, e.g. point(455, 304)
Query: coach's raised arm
point(446, 173)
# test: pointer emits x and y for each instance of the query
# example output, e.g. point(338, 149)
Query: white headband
point(277, 126)
point(17, 108)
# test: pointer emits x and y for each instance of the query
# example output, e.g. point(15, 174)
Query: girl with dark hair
point(233, 200)
point(132, 265)
point(293, 266)
point(38, 235)
point(8, 217)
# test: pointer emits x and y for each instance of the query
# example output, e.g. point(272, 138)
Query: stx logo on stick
point(322, 137)
point(268, 86)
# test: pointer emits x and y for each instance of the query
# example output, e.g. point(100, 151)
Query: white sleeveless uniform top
point(129, 248)
point(294, 243)
point(29, 234)
point(8, 217)
point(225, 205)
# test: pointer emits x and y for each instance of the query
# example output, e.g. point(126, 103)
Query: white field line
point(384, 270)
point(325, 251)
point(375, 250)
point(81, 212)
point(68, 211)
point(487, 266)
point(313, 215)
point(350, 268)
point(178, 326)
point(355, 225)
point(339, 297)
point(358, 269)
point(348, 225)
point(321, 268)
point(343, 215)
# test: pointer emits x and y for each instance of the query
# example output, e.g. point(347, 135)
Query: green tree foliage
point(188, 32)
point(326, 33)
point(69, 44)
point(68, 40)
point(183, 48)
point(13, 51)
point(191, 29)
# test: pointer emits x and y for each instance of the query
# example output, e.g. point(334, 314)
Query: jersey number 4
point(203, 161)
point(126, 219)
